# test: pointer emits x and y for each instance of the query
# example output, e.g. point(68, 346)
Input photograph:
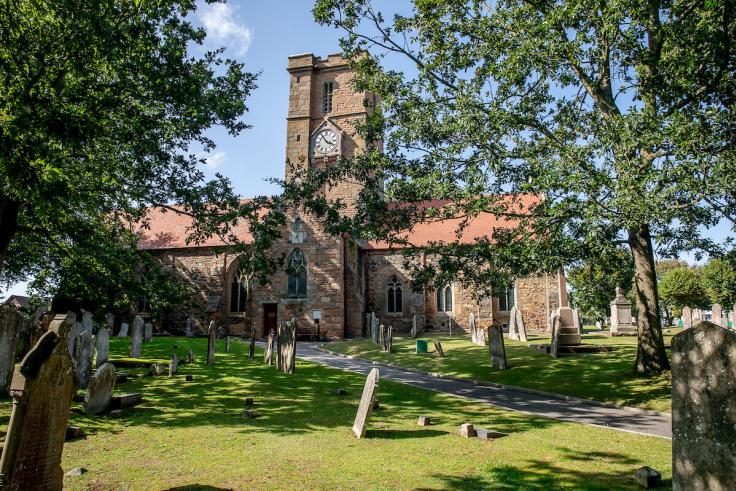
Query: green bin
point(421, 345)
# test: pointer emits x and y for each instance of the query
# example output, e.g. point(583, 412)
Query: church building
point(333, 281)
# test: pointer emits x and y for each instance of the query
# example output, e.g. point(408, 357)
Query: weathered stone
point(621, 319)
point(717, 315)
point(484, 434)
point(513, 334)
point(102, 346)
point(227, 344)
point(374, 328)
point(87, 321)
point(268, 353)
point(390, 339)
point(555, 345)
point(190, 327)
point(211, 337)
point(124, 401)
point(123, 333)
point(100, 389)
point(424, 421)
point(704, 408)
point(76, 472)
point(157, 369)
point(340, 391)
point(496, 348)
point(467, 430)
point(10, 323)
point(147, 332)
point(83, 358)
point(366, 403)
point(252, 345)
point(647, 477)
point(115, 413)
point(74, 332)
point(110, 320)
point(73, 433)
point(414, 326)
point(520, 327)
point(136, 338)
point(687, 318)
point(382, 337)
point(287, 347)
point(190, 356)
point(42, 390)
point(174, 365)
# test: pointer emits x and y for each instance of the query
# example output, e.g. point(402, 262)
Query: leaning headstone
point(174, 365)
point(555, 345)
point(100, 389)
point(42, 390)
point(87, 321)
point(252, 346)
point(227, 344)
point(147, 332)
point(520, 326)
point(102, 346)
point(703, 402)
point(287, 346)
point(438, 349)
point(123, 333)
point(390, 338)
point(414, 326)
point(717, 314)
point(83, 358)
point(687, 318)
point(136, 338)
point(512, 324)
point(211, 337)
point(268, 353)
point(10, 321)
point(366, 403)
point(496, 348)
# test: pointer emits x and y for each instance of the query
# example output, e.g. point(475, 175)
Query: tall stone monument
point(10, 321)
point(621, 320)
point(569, 329)
point(703, 408)
point(42, 390)
point(136, 338)
point(211, 338)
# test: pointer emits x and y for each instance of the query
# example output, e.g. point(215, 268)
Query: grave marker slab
point(10, 322)
point(227, 344)
point(100, 389)
point(174, 365)
point(211, 337)
point(424, 421)
point(147, 332)
point(136, 338)
point(390, 338)
point(123, 333)
point(521, 329)
point(287, 346)
point(717, 314)
point(554, 347)
point(496, 348)
point(83, 358)
point(687, 318)
point(512, 324)
point(190, 327)
point(366, 403)
point(42, 390)
point(466, 429)
point(252, 346)
point(73, 334)
point(382, 337)
point(414, 326)
point(268, 353)
point(102, 346)
point(87, 321)
point(110, 320)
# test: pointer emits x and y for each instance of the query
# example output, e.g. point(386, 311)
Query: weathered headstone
point(87, 321)
point(190, 327)
point(102, 346)
point(287, 346)
point(424, 421)
point(520, 327)
point(227, 344)
point(438, 349)
point(374, 327)
point(252, 346)
point(174, 365)
point(10, 321)
point(647, 477)
point(687, 318)
point(621, 319)
point(467, 430)
point(110, 320)
point(512, 324)
point(390, 338)
point(123, 333)
point(414, 326)
point(42, 390)
point(717, 315)
point(703, 402)
point(382, 336)
point(555, 344)
point(268, 353)
point(211, 337)
point(366, 403)
point(83, 358)
point(147, 332)
point(73, 333)
point(136, 337)
point(449, 323)
point(100, 389)
point(496, 348)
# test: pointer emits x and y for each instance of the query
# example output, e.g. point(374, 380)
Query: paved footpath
point(576, 411)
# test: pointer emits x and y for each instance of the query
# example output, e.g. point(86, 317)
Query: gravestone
point(287, 346)
point(366, 403)
point(512, 324)
point(76, 328)
point(621, 320)
point(174, 365)
point(190, 356)
point(717, 315)
point(390, 338)
point(87, 321)
point(374, 327)
point(703, 402)
point(123, 333)
point(147, 332)
point(42, 390)
point(110, 320)
point(466, 429)
point(449, 323)
point(414, 326)
point(268, 353)
point(99, 391)
point(10, 321)
point(190, 327)
point(520, 326)
point(252, 346)
point(211, 337)
point(496, 348)
point(687, 318)
point(227, 344)
point(83, 358)
point(438, 349)
point(102, 346)
point(136, 338)
point(382, 337)
point(568, 330)
point(555, 345)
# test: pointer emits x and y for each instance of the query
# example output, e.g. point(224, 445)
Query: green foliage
point(682, 287)
point(719, 280)
point(665, 265)
point(594, 283)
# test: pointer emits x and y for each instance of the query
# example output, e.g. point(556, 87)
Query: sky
point(262, 35)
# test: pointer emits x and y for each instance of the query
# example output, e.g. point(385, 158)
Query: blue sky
point(262, 35)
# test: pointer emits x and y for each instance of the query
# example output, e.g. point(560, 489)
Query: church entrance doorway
point(269, 318)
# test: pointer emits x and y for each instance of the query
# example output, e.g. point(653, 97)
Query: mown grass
point(606, 377)
point(191, 435)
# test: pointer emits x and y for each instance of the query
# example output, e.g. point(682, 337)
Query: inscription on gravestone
point(496, 348)
point(136, 338)
point(366, 403)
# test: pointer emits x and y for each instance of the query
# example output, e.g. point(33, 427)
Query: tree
point(665, 265)
point(594, 283)
point(103, 108)
point(719, 281)
point(682, 287)
point(619, 114)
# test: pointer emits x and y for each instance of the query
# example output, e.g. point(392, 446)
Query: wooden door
point(269, 318)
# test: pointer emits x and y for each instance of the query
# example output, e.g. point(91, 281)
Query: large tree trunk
point(8, 225)
point(651, 356)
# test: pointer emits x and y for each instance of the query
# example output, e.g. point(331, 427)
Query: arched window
point(394, 296)
point(296, 275)
point(238, 292)
point(505, 299)
point(444, 299)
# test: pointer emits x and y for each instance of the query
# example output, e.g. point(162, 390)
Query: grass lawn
point(191, 435)
point(606, 377)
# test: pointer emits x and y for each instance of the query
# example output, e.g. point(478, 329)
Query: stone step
point(569, 339)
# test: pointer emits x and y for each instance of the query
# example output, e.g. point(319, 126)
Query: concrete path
point(576, 411)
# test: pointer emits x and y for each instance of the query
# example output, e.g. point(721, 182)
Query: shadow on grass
point(403, 434)
point(197, 487)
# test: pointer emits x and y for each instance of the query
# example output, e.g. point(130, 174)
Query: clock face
point(325, 141)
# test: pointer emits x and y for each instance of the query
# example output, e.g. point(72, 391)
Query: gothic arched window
point(238, 292)
point(394, 296)
point(296, 275)
point(444, 299)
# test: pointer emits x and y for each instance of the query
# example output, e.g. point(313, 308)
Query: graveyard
point(193, 435)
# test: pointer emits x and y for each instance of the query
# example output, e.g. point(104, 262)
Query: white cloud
point(214, 160)
point(225, 27)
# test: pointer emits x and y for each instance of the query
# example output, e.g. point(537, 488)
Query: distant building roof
point(17, 301)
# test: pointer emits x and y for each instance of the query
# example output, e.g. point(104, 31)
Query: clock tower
point(321, 122)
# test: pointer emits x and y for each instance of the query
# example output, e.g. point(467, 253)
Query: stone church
point(337, 280)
